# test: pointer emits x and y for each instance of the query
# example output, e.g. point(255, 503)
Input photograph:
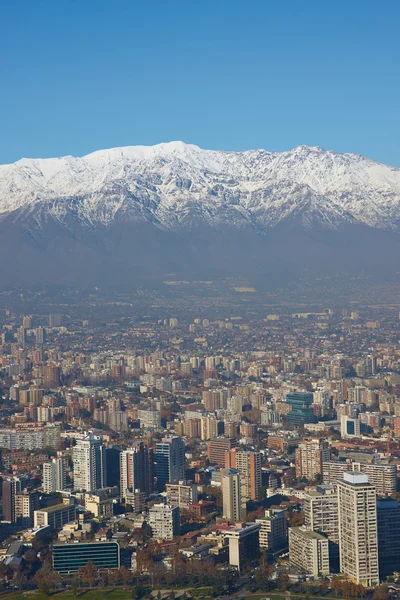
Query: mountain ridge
point(171, 206)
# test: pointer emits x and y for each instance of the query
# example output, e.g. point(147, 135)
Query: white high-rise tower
point(89, 464)
point(358, 531)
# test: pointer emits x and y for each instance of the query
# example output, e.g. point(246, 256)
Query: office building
point(349, 427)
point(11, 486)
point(68, 558)
point(53, 476)
point(113, 465)
point(164, 521)
point(137, 469)
point(301, 409)
point(310, 455)
point(181, 494)
point(388, 516)
point(273, 531)
point(89, 464)
point(100, 505)
point(358, 533)
point(55, 516)
point(233, 500)
point(169, 462)
point(249, 466)
point(244, 544)
point(309, 551)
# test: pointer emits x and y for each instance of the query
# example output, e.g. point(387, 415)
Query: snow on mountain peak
point(175, 183)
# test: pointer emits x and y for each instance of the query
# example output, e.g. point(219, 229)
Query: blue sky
point(80, 75)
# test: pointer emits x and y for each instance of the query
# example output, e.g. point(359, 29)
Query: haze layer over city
point(199, 300)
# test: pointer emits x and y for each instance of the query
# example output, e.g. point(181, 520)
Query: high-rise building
point(51, 376)
point(249, 466)
point(234, 503)
point(208, 427)
point(27, 321)
point(358, 532)
point(382, 476)
point(301, 408)
point(11, 486)
point(169, 462)
point(164, 521)
point(217, 449)
point(113, 465)
point(53, 476)
point(309, 551)
point(89, 464)
point(118, 421)
point(273, 531)
point(321, 515)
point(244, 544)
point(137, 470)
point(310, 455)
point(26, 502)
point(388, 515)
point(55, 320)
point(40, 336)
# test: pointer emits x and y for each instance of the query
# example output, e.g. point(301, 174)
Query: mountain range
point(119, 215)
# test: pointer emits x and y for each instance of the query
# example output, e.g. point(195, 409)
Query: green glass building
point(69, 557)
point(302, 410)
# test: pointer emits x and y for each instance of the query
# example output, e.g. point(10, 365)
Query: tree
point(381, 592)
point(282, 581)
point(42, 583)
point(88, 573)
point(113, 577)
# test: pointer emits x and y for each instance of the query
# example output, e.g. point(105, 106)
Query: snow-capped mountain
point(174, 206)
point(177, 185)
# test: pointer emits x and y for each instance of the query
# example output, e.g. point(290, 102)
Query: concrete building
point(321, 515)
point(100, 505)
point(53, 476)
point(181, 494)
point(217, 449)
point(137, 469)
point(55, 516)
point(249, 466)
point(309, 551)
point(273, 531)
point(310, 455)
point(164, 521)
point(382, 476)
point(349, 427)
point(208, 427)
point(234, 503)
point(89, 464)
point(358, 532)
